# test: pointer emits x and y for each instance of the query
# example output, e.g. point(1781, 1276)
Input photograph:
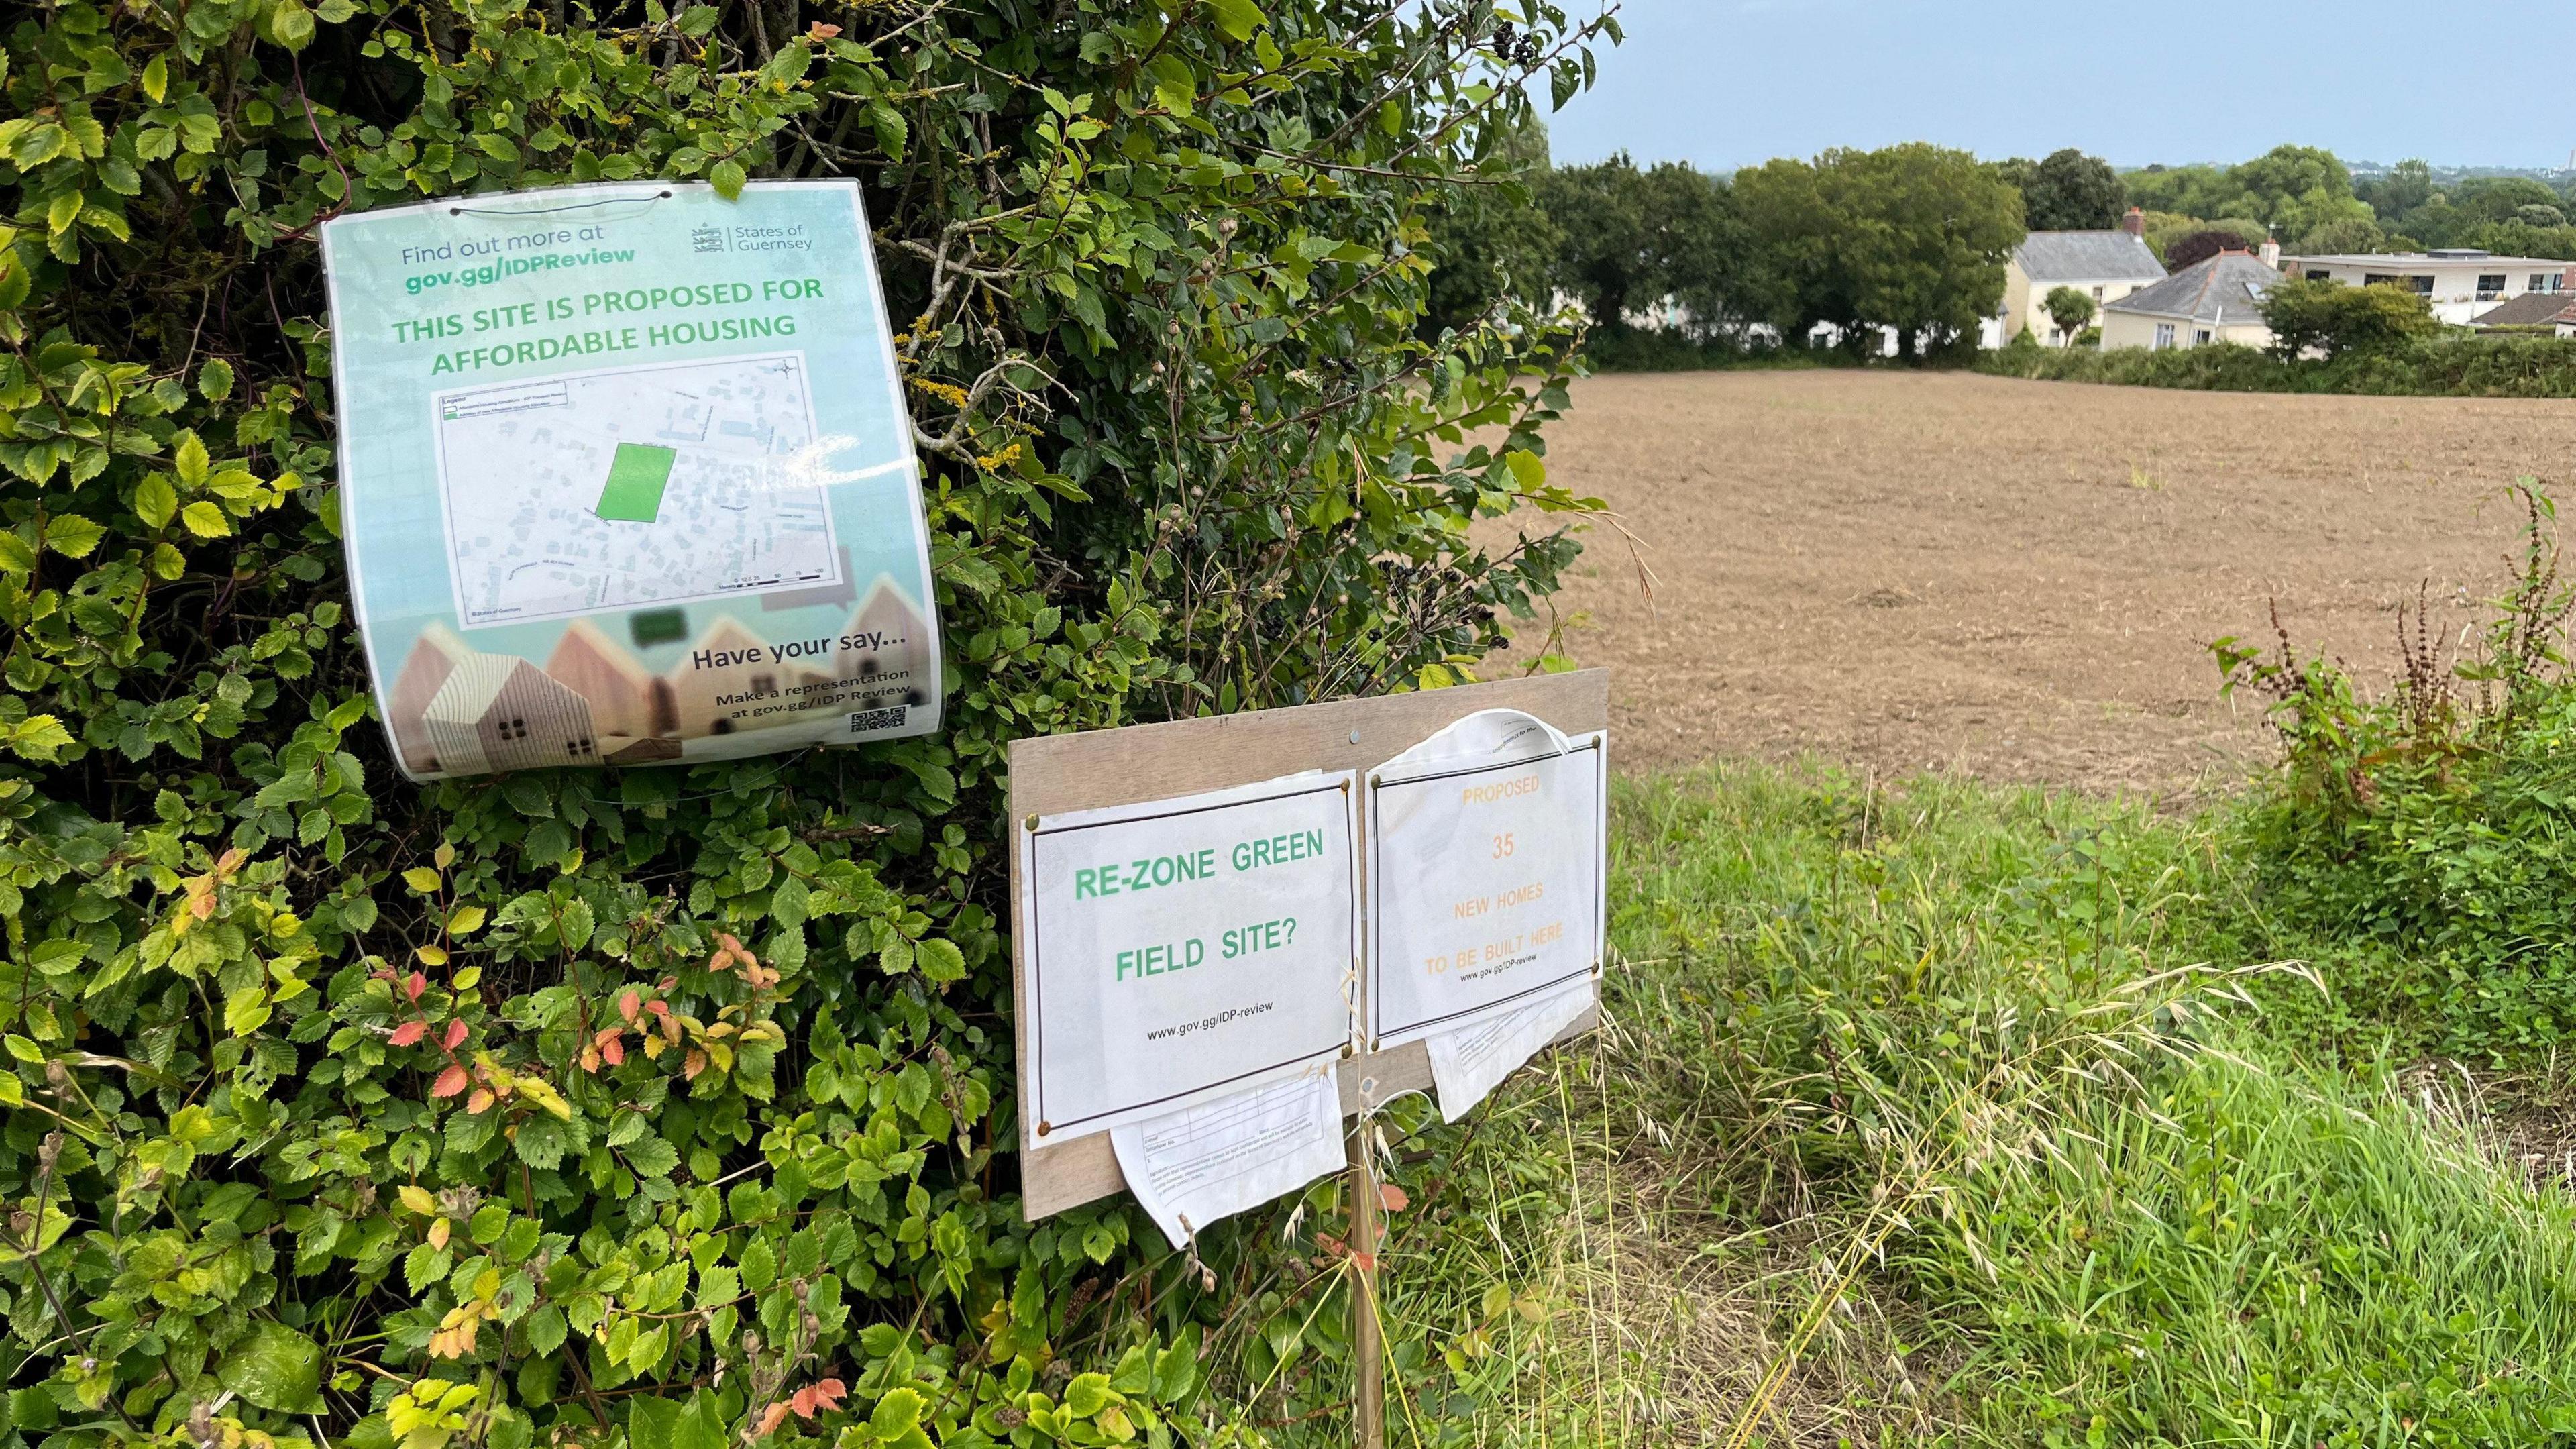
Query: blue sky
point(1724, 83)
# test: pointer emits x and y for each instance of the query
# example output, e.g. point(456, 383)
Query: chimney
point(2271, 254)
point(2135, 223)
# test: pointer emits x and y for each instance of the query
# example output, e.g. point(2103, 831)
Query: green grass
point(1947, 1114)
point(2262, 1256)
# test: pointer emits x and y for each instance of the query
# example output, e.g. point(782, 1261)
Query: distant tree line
point(2309, 201)
point(1912, 239)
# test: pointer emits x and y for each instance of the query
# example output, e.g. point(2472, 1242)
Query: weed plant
point(2420, 841)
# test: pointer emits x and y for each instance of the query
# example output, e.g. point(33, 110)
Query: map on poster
point(652, 484)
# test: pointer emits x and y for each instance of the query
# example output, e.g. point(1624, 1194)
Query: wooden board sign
point(1277, 874)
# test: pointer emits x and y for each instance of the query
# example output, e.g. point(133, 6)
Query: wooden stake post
point(1368, 1354)
point(1055, 774)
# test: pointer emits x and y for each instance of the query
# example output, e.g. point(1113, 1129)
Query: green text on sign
point(636, 477)
point(1094, 882)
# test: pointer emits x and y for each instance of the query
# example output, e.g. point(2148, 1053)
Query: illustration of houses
point(627, 701)
point(433, 657)
point(500, 712)
point(903, 670)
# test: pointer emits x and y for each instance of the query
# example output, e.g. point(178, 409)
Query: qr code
point(868, 720)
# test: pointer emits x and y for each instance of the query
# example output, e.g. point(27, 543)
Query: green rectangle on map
point(635, 480)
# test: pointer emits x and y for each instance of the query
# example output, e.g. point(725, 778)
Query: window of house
point(2423, 285)
point(2200, 337)
point(2490, 286)
point(2097, 294)
point(2319, 274)
point(2056, 335)
point(2377, 279)
point(2164, 334)
point(2543, 282)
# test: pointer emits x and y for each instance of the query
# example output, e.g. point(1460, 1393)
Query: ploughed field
point(2016, 580)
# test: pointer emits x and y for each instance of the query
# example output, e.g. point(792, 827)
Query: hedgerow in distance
point(675, 1105)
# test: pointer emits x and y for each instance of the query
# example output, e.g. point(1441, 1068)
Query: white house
point(2105, 265)
point(2216, 300)
point(2460, 282)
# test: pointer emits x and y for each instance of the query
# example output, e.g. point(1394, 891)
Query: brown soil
point(2012, 579)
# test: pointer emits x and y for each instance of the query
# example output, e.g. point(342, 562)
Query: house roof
point(2531, 309)
point(2086, 256)
point(479, 680)
point(2225, 290)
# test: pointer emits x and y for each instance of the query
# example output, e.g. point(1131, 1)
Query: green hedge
point(674, 1107)
point(2490, 366)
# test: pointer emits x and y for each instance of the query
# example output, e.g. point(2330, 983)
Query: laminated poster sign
point(1487, 845)
point(1186, 949)
point(627, 478)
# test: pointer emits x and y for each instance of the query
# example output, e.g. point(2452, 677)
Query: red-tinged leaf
point(696, 1063)
point(803, 1403)
point(614, 1050)
point(1365, 1262)
point(410, 1033)
point(827, 1395)
point(629, 1003)
point(669, 983)
point(820, 31)
point(770, 1418)
point(661, 1009)
point(479, 1103)
point(589, 1059)
point(415, 985)
point(449, 1083)
point(455, 1033)
point(1391, 1197)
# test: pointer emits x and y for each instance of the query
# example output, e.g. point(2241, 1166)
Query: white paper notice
point(1486, 863)
point(1184, 949)
point(1473, 1060)
point(1202, 1163)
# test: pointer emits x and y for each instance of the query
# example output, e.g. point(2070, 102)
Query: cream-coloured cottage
point(2104, 265)
point(2216, 300)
